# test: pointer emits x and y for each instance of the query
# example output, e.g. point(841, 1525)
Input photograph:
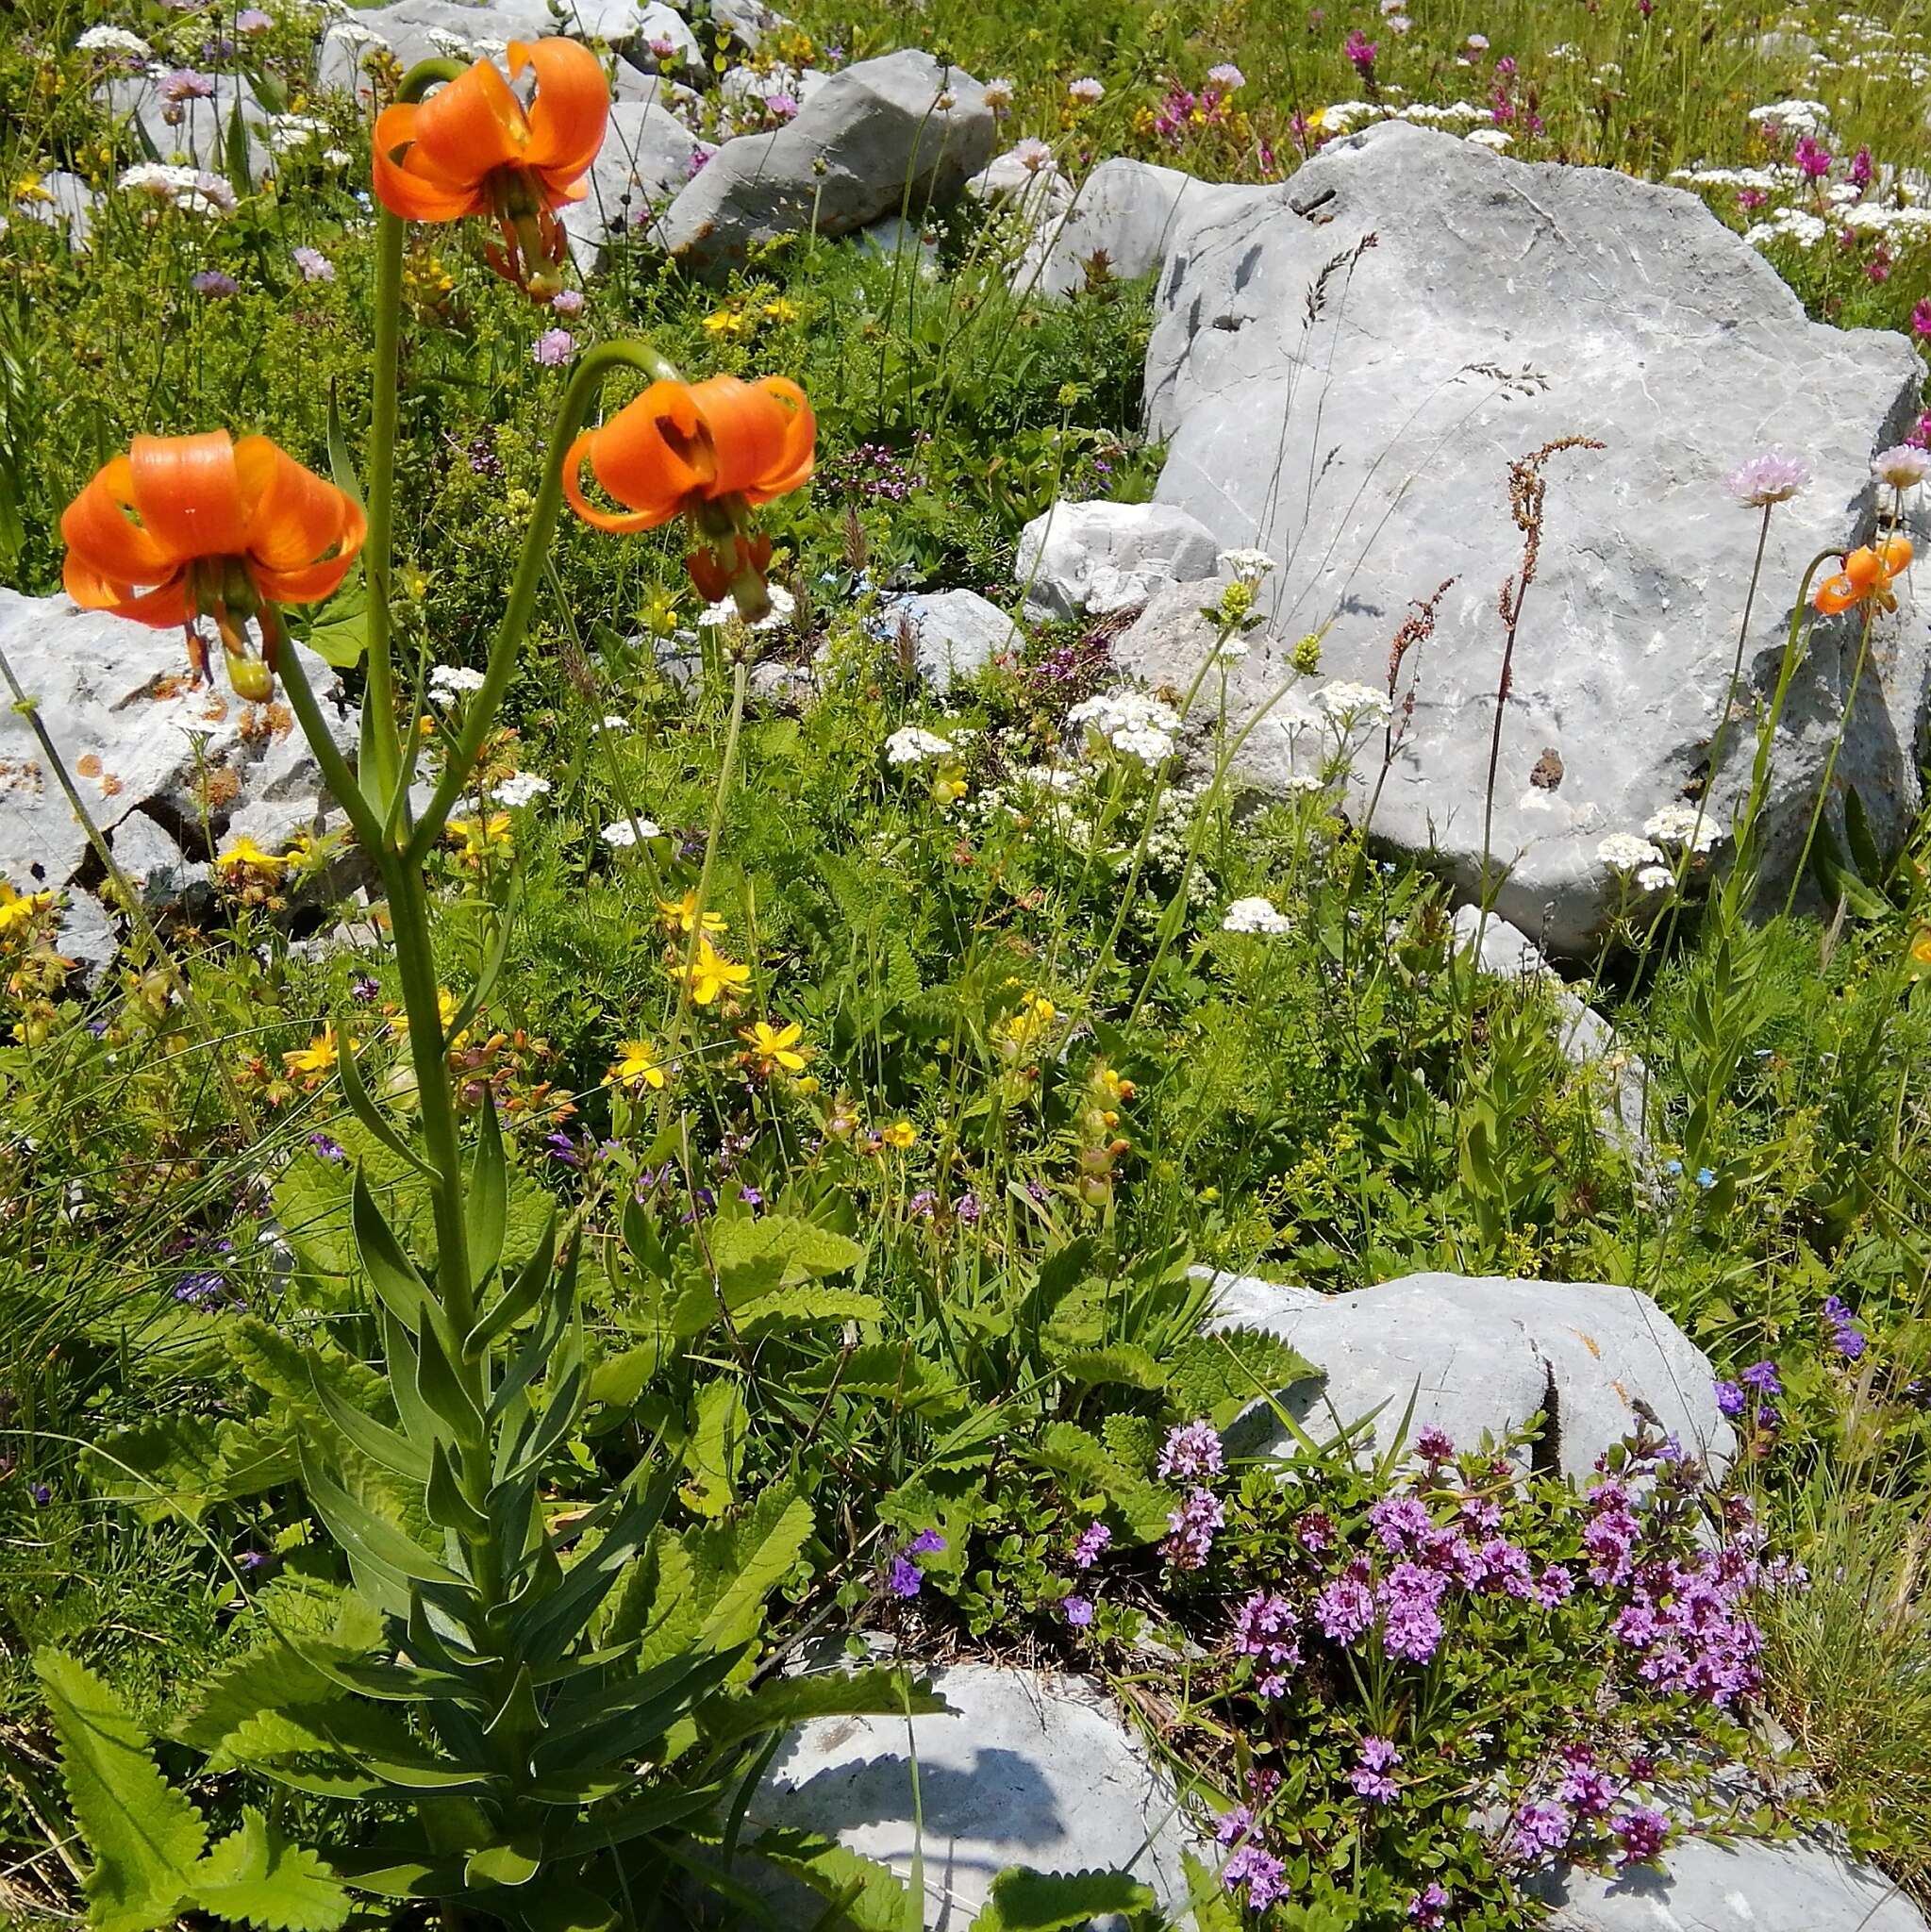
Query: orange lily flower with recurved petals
point(710, 450)
point(1867, 573)
point(183, 527)
point(473, 148)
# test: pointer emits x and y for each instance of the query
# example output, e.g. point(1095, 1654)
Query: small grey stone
point(647, 157)
point(1104, 556)
point(1748, 1887)
point(1479, 1356)
point(87, 935)
point(895, 239)
point(750, 21)
point(956, 634)
point(153, 863)
point(1032, 1769)
point(1247, 1301)
point(872, 140)
point(1367, 448)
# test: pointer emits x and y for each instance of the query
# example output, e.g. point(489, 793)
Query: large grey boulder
point(954, 634)
point(1468, 309)
point(1031, 1769)
point(1106, 557)
point(162, 765)
point(1747, 1887)
point(874, 137)
point(1480, 1355)
point(1118, 225)
point(647, 156)
point(416, 30)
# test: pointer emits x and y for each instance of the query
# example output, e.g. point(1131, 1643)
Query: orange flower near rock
point(710, 450)
point(1868, 572)
point(183, 527)
point(474, 148)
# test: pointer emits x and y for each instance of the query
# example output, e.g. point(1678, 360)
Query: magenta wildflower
point(183, 85)
point(1264, 1630)
point(1376, 1758)
point(1642, 1834)
point(1538, 1829)
point(1861, 169)
point(1811, 156)
point(1346, 1607)
point(1093, 1539)
point(1428, 1908)
point(1554, 1586)
point(1193, 1449)
point(1920, 317)
point(1435, 1445)
point(1410, 1600)
point(1360, 51)
point(1193, 1526)
point(554, 347)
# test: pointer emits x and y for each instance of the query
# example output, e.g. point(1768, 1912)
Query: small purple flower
point(1093, 1539)
point(41, 1494)
point(1762, 1376)
point(1264, 1875)
point(967, 1207)
point(1346, 1607)
point(1193, 1449)
point(928, 1543)
point(1861, 169)
point(1428, 1908)
point(1539, 1828)
point(313, 265)
point(326, 1147)
point(1554, 1586)
point(749, 1195)
point(567, 302)
point(553, 348)
point(559, 1146)
point(1434, 1446)
point(251, 1559)
point(783, 105)
point(213, 283)
point(1376, 1758)
point(1850, 1341)
point(1505, 1568)
point(922, 1204)
point(1400, 1523)
point(694, 166)
point(1192, 1526)
point(1590, 1791)
point(364, 991)
point(183, 85)
point(1360, 51)
point(1264, 1630)
point(1078, 1609)
point(1731, 1400)
point(903, 1579)
point(1642, 1833)
point(251, 20)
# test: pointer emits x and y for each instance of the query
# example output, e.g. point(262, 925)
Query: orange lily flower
point(473, 148)
point(183, 527)
point(1867, 573)
point(711, 451)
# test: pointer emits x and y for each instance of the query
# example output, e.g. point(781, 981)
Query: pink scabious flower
point(554, 347)
point(184, 84)
point(1360, 51)
point(1768, 477)
point(783, 105)
point(567, 302)
point(1226, 76)
point(313, 265)
point(251, 20)
point(1086, 89)
point(1193, 1449)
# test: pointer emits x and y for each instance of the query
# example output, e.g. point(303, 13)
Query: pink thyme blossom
point(1360, 51)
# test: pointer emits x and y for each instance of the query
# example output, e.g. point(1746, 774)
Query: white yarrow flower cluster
point(448, 682)
point(1348, 705)
point(1677, 825)
point(1625, 852)
point(1255, 915)
point(192, 189)
point(1250, 566)
point(113, 40)
point(1130, 721)
point(1655, 879)
point(913, 746)
point(623, 834)
point(518, 788)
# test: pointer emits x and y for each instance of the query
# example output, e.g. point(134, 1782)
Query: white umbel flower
point(518, 788)
point(623, 834)
point(1129, 722)
point(1677, 825)
point(1255, 915)
point(1625, 852)
point(912, 745)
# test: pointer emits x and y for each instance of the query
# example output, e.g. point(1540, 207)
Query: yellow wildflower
point(1920, 947)
point(901, 1134)
point(726, 322)
point(480, 836)
point(318, 1057)
point(779, 308)
point(244, 854)
point(680, 915)
point(775, 1049)
point(1021, 1034)
point(636, 1067)
point(17, 910)
point(712, 973)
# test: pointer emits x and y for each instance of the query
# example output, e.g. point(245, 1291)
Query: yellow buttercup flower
point(17, 910)
point(775, 1049)
point(244, 854)
point(901, 1134)
point(636, 1067)
point(712, 973)
point(318, 1057)
point(680, 915)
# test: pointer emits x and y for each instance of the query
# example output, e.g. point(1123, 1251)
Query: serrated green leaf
point(1023, 1901)
point(1125, 1362)
point(167, 1465)
point(144, 1836)
point(715, 1453)
point(888, 1371)
point(256, 1878)
point(1217, 1375)
point(869, 1897)
point(806, 1307)
point(1132, 1440)
point(1069, 1451)
point(286, 1371)
point(740, 1566)
point(656, 1605)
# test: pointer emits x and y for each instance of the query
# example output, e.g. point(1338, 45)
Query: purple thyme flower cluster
point(1192, 1528)
point(1264, 1630)
point(1193, 1450)
point(1252, 1867)
point(876, 472)
point(1582, 1810)
point(1369, 1779)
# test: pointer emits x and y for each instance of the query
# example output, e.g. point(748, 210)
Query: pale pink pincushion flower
point(1768, 477)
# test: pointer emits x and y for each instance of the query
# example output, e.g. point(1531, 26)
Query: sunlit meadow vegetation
point(798, 1229)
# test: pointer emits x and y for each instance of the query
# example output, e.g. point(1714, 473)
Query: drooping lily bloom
point(710, 450)
point(473, 148)
point(1868, 572)
point(183, 527)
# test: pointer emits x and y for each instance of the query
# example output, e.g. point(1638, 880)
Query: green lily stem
point(379, 733)
point(480, 715)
